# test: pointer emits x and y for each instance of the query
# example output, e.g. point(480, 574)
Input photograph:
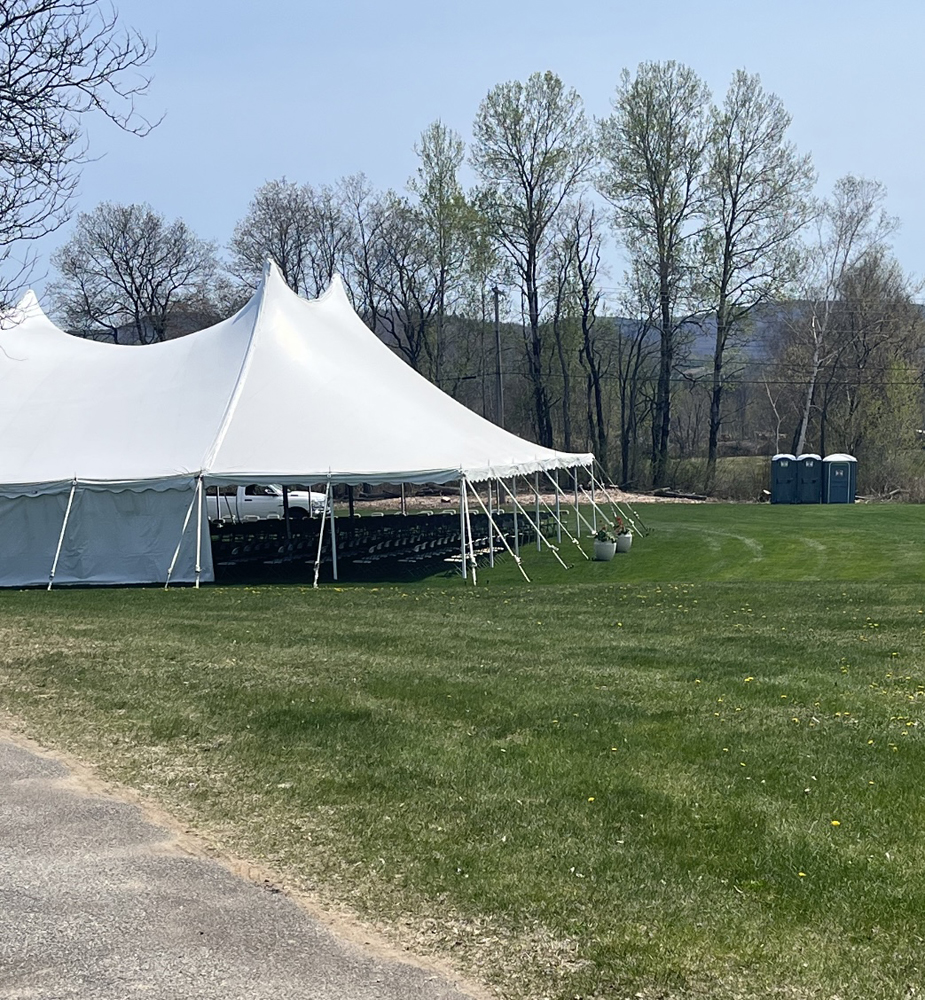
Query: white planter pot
point(604, 551)
point(624, 543)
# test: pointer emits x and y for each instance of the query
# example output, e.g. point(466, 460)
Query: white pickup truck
point(254, 503)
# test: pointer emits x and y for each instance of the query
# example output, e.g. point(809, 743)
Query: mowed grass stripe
point(617, 780)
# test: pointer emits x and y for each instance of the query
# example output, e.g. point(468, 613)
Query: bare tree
point(654, 146)
point(879, 338)
point(60, 59)
point(758, 200)
point(575, 259)
point(125, 268)
point(532, 149)
point(305, 231)
point(638, 364)
point(409, 287)
point(852, 226)
point(368, 212)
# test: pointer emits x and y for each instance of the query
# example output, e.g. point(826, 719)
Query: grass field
point(697, 771)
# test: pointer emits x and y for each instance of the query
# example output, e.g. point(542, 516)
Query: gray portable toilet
point(839, 478)
point(809, 478)
point(784, 479)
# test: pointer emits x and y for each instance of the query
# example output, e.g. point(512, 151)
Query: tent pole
point(176, 555)
point(324, 514)
point(491, 530)
point(536, 493)
point(560, 523)
point(634, 519)
point(329, 498)
point(577, 515)
point(67, 514)
point(462, 525)
point(593, 506)
point(558, 510)
point(536, 528)
point(500, 534)
point(198, 530)
point(516, 526)
point(472, 563)
point(286, 513)
point(616, 508)
point(404, 508)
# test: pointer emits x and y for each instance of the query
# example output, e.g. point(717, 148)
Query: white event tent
point(105, 449)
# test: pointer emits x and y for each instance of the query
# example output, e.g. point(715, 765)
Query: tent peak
point(272, 272)
point(28, 309)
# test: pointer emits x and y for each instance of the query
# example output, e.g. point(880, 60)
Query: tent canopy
point(285, 391)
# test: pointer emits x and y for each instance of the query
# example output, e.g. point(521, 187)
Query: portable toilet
point(839, 478)
point(809, 478)
point(784, 479)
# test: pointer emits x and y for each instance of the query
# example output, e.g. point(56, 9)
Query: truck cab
point(259, 501)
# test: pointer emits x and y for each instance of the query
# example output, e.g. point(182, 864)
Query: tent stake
point(67, 514)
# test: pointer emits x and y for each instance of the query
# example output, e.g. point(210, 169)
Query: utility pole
point(500, 386)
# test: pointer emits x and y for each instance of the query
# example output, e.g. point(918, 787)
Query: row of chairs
point(368, 540)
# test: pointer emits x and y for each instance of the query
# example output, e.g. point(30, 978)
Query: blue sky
point(254, 91)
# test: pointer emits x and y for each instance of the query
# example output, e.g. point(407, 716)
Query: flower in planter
point(610, 532)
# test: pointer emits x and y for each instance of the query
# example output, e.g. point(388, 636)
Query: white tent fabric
point(286, 390)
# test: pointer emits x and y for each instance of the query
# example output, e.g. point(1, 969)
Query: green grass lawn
point(696, 771)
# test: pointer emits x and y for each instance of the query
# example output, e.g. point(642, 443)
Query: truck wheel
point(297, 513)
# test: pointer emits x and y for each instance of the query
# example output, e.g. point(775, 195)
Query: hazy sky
point(314, 91)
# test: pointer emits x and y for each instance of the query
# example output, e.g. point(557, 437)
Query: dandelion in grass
point(836, 822)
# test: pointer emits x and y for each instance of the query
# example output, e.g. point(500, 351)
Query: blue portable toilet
point(839, 478)
point(784, 479)
point(809, 478)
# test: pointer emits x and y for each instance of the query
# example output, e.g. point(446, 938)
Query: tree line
point(749, 316)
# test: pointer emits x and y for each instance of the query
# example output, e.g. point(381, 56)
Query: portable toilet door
point(784, 479)
point(839, 478)
point(809, 478)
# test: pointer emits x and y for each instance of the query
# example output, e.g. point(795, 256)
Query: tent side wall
point(126, 536)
